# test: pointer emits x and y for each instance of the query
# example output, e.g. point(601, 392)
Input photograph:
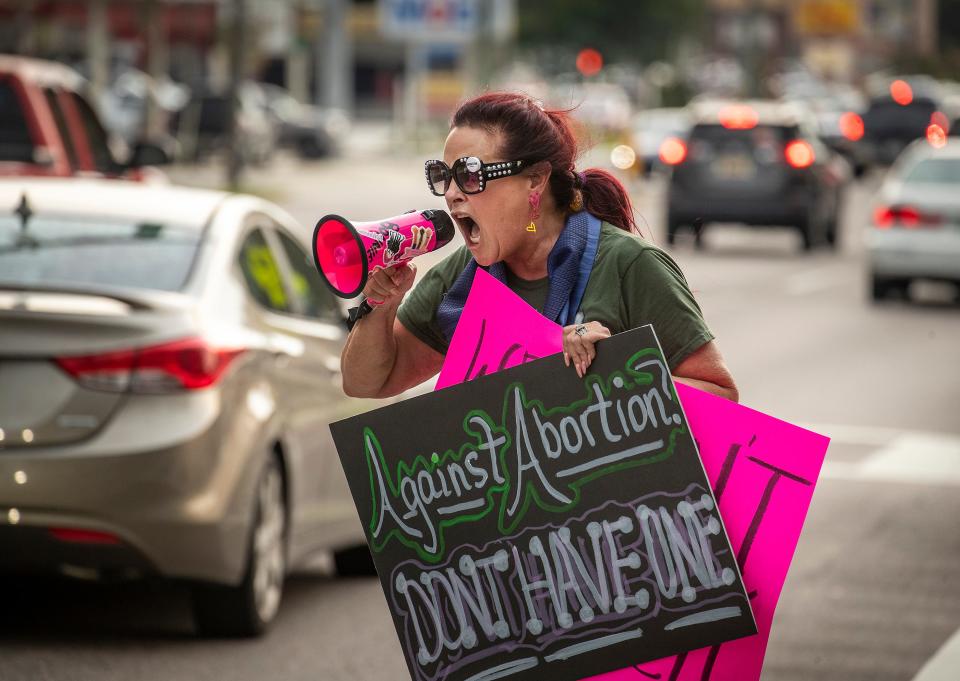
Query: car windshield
point(934, 171)
point(73, 251)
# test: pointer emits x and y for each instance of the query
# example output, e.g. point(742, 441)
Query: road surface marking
point(944, 663)
point(907, 456)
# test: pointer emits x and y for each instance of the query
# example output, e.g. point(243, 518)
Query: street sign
point(534, 522)
point(430, 21)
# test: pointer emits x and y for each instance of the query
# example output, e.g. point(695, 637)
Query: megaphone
point(346, 253)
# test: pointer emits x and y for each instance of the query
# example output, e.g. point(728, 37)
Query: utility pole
point(926, 27)
point(237, 42)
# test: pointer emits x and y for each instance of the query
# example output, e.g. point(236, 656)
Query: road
point(872, 591)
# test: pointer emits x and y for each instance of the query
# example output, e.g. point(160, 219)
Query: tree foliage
point(623, 30)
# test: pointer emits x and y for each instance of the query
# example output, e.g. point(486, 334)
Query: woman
point(527, 216)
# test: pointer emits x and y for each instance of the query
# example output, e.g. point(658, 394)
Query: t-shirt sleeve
point(418, 312)
point(656, 292)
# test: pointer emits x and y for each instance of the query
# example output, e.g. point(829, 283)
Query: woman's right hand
point(388, 286)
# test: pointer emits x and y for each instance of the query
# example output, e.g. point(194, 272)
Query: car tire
point(248, 609)
point(354, 561)
point(831, 232)
point(882, 287)
point(699, 229)
point(806, 228)
point(672, 229)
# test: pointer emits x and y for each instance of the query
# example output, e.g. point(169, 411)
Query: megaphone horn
point(346, 253)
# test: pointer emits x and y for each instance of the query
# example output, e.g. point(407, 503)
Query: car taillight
point(738, 117)
point(799, 154)
point(885, 217)
point(673, 151)
point(851, 126)
point(188, 364)
point(936, 136)
point(901, 92)
point(73, 535)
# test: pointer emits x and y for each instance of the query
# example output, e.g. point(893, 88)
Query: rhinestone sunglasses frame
point(487, 172)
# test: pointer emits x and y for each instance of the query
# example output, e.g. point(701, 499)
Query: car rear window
point(888, 115)
point(15, 142)
point(72, 251)
point(934, 171)
point(760, 135)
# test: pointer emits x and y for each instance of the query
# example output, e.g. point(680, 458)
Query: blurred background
point(169, 357)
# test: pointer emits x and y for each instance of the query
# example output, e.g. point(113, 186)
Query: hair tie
point(579, 179)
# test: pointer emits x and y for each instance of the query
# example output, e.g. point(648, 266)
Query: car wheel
point(699, 229)
point(882, 287)
point(248, 608)
point(672, 229)
point(831, 233)
point(355, 561)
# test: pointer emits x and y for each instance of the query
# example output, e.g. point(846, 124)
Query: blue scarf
point(568, 269)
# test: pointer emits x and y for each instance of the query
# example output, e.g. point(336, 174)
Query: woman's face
point(492, 222)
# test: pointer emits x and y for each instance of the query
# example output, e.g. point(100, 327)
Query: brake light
point(940, 118)
point(936, 136)
point(738, 117)
point(901, 92)
point(673, 151)
point(188, 364)
point(799, 154)
point(885, 217)
point(851, 126)
point(75, 536)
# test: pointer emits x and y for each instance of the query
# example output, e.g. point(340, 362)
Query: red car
point(48, 128)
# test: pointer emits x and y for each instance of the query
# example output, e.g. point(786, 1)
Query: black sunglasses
point(470, 173)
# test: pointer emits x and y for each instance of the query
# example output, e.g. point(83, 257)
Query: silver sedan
point(915, 230)
point(169, 365)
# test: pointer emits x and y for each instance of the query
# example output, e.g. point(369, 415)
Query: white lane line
point(866, 435)
point(945, 662)
point(909, 457)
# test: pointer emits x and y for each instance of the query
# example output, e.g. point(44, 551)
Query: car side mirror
point(148, 154)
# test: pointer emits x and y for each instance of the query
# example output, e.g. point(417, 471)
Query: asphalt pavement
point(872, 592)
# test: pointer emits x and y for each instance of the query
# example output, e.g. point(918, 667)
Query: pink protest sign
point(497, 330)
point(763, 472)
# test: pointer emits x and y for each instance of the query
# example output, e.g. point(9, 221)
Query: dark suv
point(890, 125)
point(757, 163)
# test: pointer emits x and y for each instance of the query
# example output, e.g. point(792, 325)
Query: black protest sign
point(531, 524)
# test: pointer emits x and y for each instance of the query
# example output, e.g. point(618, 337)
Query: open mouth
point(469, 228)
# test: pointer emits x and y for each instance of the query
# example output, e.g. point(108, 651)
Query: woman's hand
point(389, 285)
point(578, 344)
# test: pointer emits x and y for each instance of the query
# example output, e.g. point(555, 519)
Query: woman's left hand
point(578, 344)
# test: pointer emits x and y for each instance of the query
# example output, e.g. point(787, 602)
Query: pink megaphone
point(346, 253)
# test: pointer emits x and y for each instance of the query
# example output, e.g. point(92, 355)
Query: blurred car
point(754, 162)
point(311, 131)
point(48, 128)
point(915, 228)
point(123, 104)
point(899, 116)
point(203, 125)
point(650, 129)
point(169, 365)
point(604, 107)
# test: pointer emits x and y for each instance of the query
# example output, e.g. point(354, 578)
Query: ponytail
point(605, 197)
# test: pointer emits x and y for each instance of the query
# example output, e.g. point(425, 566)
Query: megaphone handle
point(357, 313)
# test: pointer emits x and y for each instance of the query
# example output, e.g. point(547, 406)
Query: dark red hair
point(532, 132)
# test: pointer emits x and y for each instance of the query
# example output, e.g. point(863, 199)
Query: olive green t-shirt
point(632, 283)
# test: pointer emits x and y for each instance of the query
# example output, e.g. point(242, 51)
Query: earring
point(534, 200)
